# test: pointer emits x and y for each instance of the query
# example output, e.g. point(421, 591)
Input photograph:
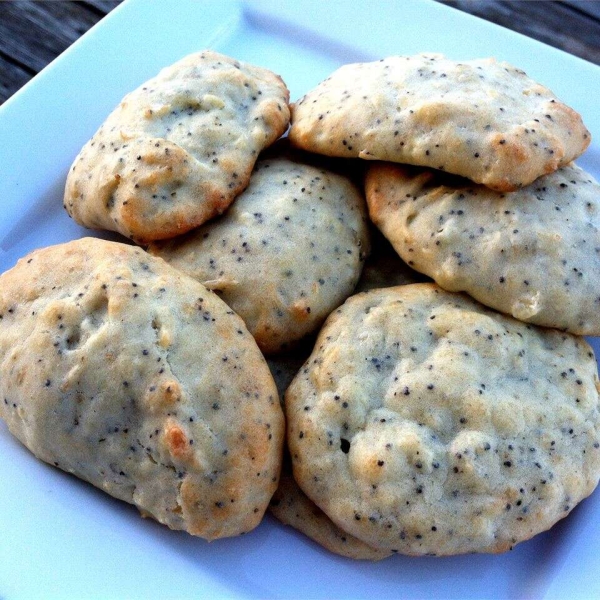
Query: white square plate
point(62, 538)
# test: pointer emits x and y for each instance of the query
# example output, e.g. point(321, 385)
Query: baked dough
point(132, 376)
point(533, 253)
point(290, 504)
point(288, 252)
point(427, 424)
point(177, 150)
point(292, 507)
point(482, 119)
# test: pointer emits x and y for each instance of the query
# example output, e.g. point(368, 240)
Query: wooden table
point(33, 33)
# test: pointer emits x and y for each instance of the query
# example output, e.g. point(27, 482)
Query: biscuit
point(288, 252)
point(533, 253)
point(178, 149)
point(130, 375)
point(482, 119)
point(292, 507)
point(427, 424)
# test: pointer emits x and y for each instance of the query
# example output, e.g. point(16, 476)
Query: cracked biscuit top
point(533, 253)
point(132, 376)
point(482, 119)
point(427, 424)
point(179, 149)
point(288, 252)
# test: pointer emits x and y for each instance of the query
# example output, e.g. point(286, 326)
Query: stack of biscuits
point(448, 404)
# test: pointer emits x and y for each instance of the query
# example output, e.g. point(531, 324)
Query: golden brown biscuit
point(533, 253)
point(288, 252)
point(482, 119)
point(132, 376)
point(427, 424)
point(290, 505)
point(179, 149)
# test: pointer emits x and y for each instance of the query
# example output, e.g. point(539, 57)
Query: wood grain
point(104, 6)
point(587, 7)
point(571, 26)
point(12, 77)
point(34, 33)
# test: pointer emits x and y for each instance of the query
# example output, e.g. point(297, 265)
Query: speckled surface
point(533, 253)
point(426, 424)
point(293, 507)
point(132, 376)
point(290, 504)
point(178, 149)
point(482, 119)
point(384, 268)
point(79, 527)
point(288, 252)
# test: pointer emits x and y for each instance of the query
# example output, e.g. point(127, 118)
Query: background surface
point(32, 33)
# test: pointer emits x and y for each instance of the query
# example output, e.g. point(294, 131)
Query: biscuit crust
point(426, 424)
point(177, 150)
point(292, 507)
point(128, 374)
point(288, 252)
point(533, 253)
point(481, 119)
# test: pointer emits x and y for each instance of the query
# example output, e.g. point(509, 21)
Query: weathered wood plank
point(554, 23)
point(34, 33)
point(103, 5)
point(589, 7)
point(12, 78)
